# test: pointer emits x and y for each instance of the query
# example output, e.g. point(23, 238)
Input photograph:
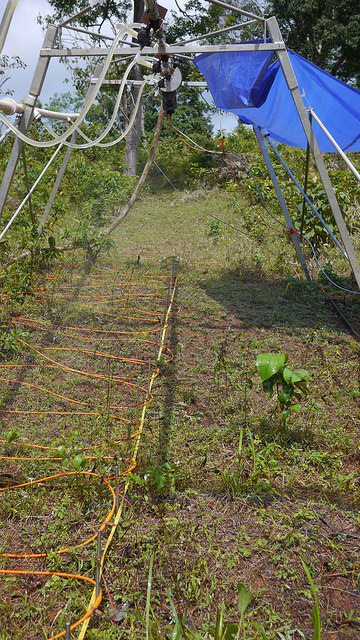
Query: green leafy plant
point(290, 386)
point(71, 452)
point(232, 631)
point(10, 344)
point(51, 252)
point(161, 479)
point(315, 610)
point(16, 283)
point(214, 229)
point(11, 436)
point(86, 236)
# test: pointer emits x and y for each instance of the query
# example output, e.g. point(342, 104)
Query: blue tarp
point(244, 84)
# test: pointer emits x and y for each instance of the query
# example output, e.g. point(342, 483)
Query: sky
point(25, 38)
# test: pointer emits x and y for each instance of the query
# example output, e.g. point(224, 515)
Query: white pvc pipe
point(9, 107)
point(30, 192)
point(337, 147)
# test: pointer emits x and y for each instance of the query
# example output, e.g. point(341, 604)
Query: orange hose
point(146, 337)
point(74, 576)
point(76, 546)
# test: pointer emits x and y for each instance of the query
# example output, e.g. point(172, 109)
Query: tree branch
point(142, 179)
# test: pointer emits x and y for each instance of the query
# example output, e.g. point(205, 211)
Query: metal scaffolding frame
point(161, 48)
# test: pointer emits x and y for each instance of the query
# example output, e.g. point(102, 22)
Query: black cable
point(235, 155)
point(356, 293)
point(343, 317)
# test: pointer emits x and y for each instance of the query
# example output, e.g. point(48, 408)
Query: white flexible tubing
point(122, 135)
point(30, 192)
point(94, 143)
point(97, 141)
point(87, 104)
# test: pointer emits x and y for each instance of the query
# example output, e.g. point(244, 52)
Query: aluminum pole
point(239, 25)
point(337, 147)
point(169, 49)
point(6, 20)
point(293, 86)
point(282, 202)
point(26, 118)
point(236, 10)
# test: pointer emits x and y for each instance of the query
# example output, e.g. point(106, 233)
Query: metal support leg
point(280, 196)
point(57, 182)
point(66, 158)
point(293, 86)
point(26, 118)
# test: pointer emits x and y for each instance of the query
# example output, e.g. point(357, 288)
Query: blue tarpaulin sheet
point(244, 84)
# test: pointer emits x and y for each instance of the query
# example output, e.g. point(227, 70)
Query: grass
point(222, 496)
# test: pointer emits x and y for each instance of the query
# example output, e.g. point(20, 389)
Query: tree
point(192, 114)
point(7, 63)
point(133, 137)
point(198, 19)
point(326, 32)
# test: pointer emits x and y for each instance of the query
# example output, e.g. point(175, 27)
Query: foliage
point(16, 283)
point(326, 33)
point(196, 19)
point(98, 190)
point(315, 610)
point(7, 63)
point(72, 455)
point(289, 385)
point(10, 344)
point(100, 12)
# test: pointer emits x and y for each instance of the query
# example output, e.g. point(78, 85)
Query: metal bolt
point(67, 633)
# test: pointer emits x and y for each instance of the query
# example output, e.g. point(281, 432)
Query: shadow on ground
point(257, 300)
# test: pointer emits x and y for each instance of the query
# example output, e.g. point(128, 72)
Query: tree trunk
point(133, 137)
point(142, 179)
